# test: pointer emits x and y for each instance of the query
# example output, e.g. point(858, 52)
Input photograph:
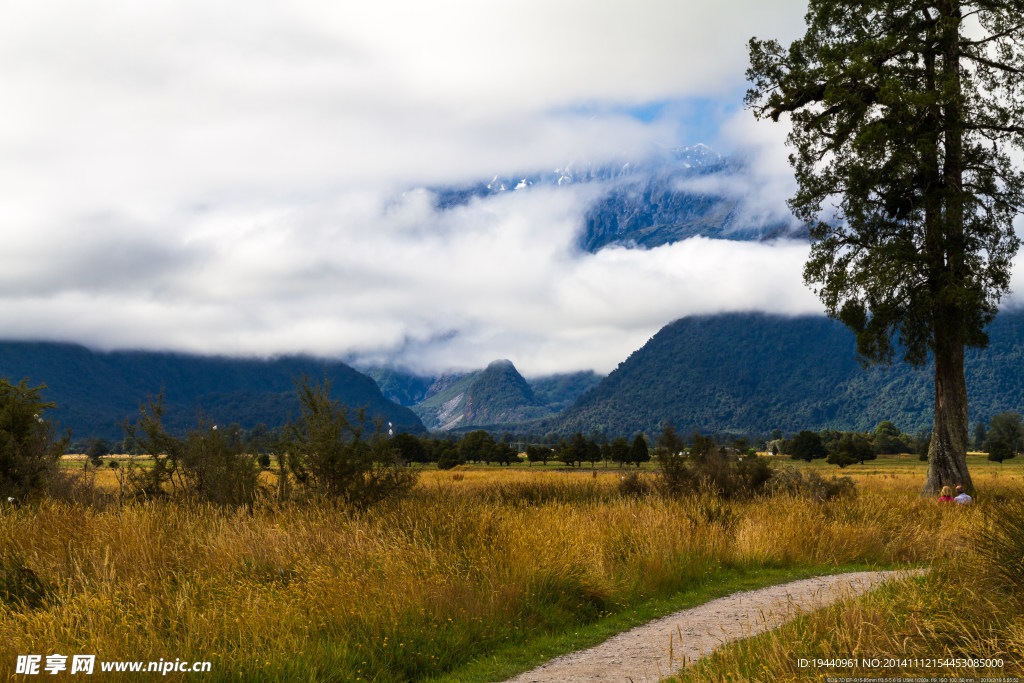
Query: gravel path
point(655, 650)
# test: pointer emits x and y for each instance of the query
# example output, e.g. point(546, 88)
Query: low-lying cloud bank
point(392, 280)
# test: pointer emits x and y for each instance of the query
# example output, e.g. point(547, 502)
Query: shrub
point(29, 449)
point(1005, 434)
point(448, 459)
point(327, 453)
point(216, 467)
point(712, 470)
point(96, 450)
point(633, 485)
point(207, 463)
point(812, 485)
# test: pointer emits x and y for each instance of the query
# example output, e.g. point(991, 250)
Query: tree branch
point(994, 65)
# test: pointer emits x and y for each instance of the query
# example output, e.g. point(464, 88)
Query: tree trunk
point(947, 454)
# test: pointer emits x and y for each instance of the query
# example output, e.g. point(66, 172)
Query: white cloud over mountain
point(234, 177)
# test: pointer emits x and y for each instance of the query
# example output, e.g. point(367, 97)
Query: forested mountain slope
point(95, 391)
point(758, 372)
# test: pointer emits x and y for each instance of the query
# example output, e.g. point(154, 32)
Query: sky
point(252, 178)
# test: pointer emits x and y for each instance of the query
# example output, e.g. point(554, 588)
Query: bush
point(710, 469)
point(216, 467)
point(1005, 434)
point(208, 463)
point(29, 450)
point(812, 485)
point(448, 459)
point(633, 485)
point(327, 453)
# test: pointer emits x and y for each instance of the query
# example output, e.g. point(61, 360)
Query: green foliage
point(639, 452)
point(670, 452)
point(807, 445)
point(574, 451)
point(477, 446)
point(538, 453)
point(903, 118)
point(709, 469)
point(410, 449)
point(448, 459)
point(620, 450)
point(328, 453)
point(747, 373)
point(96, 449)
point(216, 466)
point(495, 395)
point(1005, 436)
point(703, 448)
point(97, 391)
point(29, 449)
point(979, 436)
point(851, 448)
point(888, 439)
point(558, 392)
point(208, 463)
point(504, 454)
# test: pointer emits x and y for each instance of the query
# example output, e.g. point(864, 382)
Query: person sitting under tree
point(961, 496)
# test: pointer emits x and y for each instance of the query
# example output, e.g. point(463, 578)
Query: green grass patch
point(525, 653)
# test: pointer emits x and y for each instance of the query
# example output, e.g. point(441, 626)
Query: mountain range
point(753, 372)
point(497, 394)
point(96, 391)
point(748, 373)
point(641, 200)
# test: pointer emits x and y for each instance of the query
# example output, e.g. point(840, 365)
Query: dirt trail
point(657, 649)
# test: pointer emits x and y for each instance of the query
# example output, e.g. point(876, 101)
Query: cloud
point(761, 183)
point(237, 177)
point(392, 279)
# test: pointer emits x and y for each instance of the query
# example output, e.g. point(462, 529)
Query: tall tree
point(903, 115)
point(1005, 436)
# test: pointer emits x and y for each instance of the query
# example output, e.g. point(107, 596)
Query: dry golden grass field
point(483, 571)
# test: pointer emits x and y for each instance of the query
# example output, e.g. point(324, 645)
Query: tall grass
point(413, 588)
point(969, 607)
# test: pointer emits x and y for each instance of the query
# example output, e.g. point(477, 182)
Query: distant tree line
point(331, 452)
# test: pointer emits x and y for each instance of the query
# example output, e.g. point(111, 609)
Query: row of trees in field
point(333, 453)
point(1001, 439)
point(328, 452)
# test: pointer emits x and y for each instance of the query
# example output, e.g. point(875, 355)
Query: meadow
point(484, 571)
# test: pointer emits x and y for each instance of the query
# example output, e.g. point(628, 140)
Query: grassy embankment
point(970, 606)
point(478, 574)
